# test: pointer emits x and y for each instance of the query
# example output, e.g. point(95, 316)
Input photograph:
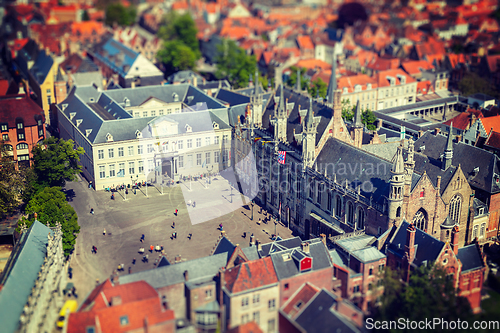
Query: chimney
point(379, 124)
point(132, 85)
point(436, 131)
point(454, 239)
point(305, 247)
point(259, 245)
point(195, 81)
point(177, 259)
point(186, 276)
point(420, 133)
point(410, 243)
point(438, 183)
point(323, 238)
point(458, 138)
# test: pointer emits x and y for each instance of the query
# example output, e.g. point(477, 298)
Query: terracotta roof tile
point(491, 123)
point(382, 77)
point(24, 107)
point(250, 327)
point(305, 43)
point(462, 121)
point(250, 275)
point(493, 140)
point(350, 82)
point(304, 295)
point(313, 64)
point(416, 67)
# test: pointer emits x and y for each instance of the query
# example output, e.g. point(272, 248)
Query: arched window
point(22, 146)
point(398, 212)
point(350, 213)
point(420, 220)
point(338, 206)
point(360, 220)
point(455, 205)
point(8, 147)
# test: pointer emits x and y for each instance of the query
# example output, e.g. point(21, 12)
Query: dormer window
point(138, 134)
point(64, 106)
point(345, 91)
point(188, 129)
point(72, 115)
point(78, 122)
point(20, 126)
point(357, 88)
point(175, 97)
point(126, 101)
point(215, 125)
point(87, 132)
point(109, 137)
point(91, 100)
point(369, 86)
point(402, 79)
point(481, 210)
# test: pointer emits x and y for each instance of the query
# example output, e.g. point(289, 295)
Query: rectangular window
point(244, 302)
point(150, 148)
point(256, 317)
point(130, 150)
point(49, 100)
point(216, 140)
point(140, 149)
point(100, 154)
point(151, 165)
point(19, 125)
point(48, 91)
point(198, 142)
point(225, 156)
point(153, 113)
point(180, 145)
point(355, 289)
point(380, 267)
point(208, 293)
point(40, 133)
point(137, 114)
point(131, 168)
point(111, 153)
point(102, 171)
point(482, 230)
point(207, 158)
point(271, 325)
point(162, 112)
point(271, 304)
point(145, 113)
point(4, 128)
point(320, 191)
point(207, 141)
point(189, 143)
point(181, 161)
point(198, 159)
point(20, 136)
point(329, 203)
point(120, 152)
point(225, 139)
point(216, 157)
point(256, 299)
point(121, 169)
point(245, 318)
point(141, 166)
point(111, 170)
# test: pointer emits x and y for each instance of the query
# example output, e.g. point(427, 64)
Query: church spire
point(299, 88)
point(332, 86)
point(357, 116)
point(309, 121)
point(257, 83)
point(448, 152)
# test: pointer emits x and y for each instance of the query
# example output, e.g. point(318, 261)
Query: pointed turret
point(398, 166)
point(396, 188)
point(281, 106)
point(332, 86)
point(448, 152)
point(309, 121)
point(257, 89)
point(357, 116)
point(299, 88)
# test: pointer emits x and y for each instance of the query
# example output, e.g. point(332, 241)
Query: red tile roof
point(305, 43)
point(304, 295)
point(250, 275)
point(24, 107)
point(491, 123)
point(382, 77)
point(350, 82)
point(137, 300)
point(463, 120)
point(424, 87)
point(416, 67)
point(313, 64)
point(250, 327)
point(493, 140)
point(382, 64)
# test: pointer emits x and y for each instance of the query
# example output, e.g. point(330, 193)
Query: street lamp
point(275, 227)
point(252, 209)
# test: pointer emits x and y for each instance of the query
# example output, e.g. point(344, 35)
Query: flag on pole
point(280, 209)
point(281, 157)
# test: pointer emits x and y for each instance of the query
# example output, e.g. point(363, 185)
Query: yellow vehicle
point(70, 306)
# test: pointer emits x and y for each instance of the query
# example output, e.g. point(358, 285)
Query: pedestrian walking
point(190, 236)
point(104, 232)
point(151, 248)
point(176, 211)
point(173, 224)
point(175, 234)
point(161, 248)
point(97, 282)
point(133, 261)
point(142, 238)
point(129, 270)
point(92, 211)
point(245, 234)
point(194, 204)
point(147, 257)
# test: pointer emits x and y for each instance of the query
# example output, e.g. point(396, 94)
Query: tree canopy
point(11, 182)
point(177, 56)
point(429, 294)
point(292, 79)
point(119, 14)
point(234, 64)
point(318, 86)
point(56, 161)
point(472, 83)
point(367, 116)
point(51, 206)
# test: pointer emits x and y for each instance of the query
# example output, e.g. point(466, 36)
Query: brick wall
point(320, 278)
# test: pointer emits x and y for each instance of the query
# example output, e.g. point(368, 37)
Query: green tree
point(292, 79)
point(56, 161)
point(316, 86)
point(368, 118)
point(429, 294)
point(177, 56)
point(234, 64)
point(85, 16)
point(51, 206)
point(10, 182)
point(180, 28)
point(119, 14)
point(347, 110)
point(472, 83)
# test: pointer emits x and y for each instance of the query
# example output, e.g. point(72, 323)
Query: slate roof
point(319, 311)
point(41, 67)
point(368, 254)
point(427, 248)
point(471, 258)
point(286, 268)
point(337, 154)
point(24, 107)
point(479, 204)
point(320, 110)
point(281, 245)
point(226, 246)
point(338, 259)
point(20, 274)
point(232, 97)
point(469, 157)
point(115, 55)
point(201, 268)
